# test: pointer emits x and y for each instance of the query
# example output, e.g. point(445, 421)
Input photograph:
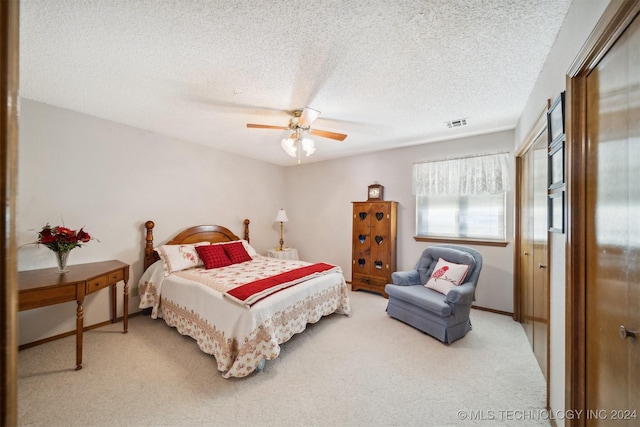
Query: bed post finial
point(246, 229)
point(148, 248)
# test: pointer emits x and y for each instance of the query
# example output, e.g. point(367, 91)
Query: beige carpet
point(362, 370)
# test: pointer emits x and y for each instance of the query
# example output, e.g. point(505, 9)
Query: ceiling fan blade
point(308, 116)
point(251, 125)
point(327, 134)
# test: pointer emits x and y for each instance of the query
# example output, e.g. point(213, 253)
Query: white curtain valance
point(488, 174)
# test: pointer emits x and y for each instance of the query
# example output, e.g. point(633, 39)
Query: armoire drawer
point(369, 283)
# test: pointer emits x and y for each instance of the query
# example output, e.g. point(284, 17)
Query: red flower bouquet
point(62, 239)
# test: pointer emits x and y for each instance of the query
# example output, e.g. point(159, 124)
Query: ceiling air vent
point(457, 123)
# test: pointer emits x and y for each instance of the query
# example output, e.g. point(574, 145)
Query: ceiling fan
point(299, 124)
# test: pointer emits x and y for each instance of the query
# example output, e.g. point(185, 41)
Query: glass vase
point(61, 258)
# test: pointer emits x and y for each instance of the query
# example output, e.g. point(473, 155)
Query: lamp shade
point(282, 216)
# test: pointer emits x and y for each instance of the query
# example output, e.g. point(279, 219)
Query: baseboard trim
point(71, 333)
point(493, 310)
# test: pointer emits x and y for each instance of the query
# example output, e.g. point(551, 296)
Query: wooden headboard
point(199, 233)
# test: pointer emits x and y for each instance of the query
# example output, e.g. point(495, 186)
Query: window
point(462, 198)
point(469, 217)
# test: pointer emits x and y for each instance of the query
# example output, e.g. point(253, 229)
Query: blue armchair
point(445, 317)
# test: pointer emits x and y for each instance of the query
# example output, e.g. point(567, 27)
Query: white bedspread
point(240, 337)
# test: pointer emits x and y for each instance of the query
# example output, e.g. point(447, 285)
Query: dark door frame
point(9, 47)
point(616, 18)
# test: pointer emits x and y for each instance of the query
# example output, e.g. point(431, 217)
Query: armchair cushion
point(426, 299)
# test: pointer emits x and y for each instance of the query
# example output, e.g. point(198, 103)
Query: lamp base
point(281, 238)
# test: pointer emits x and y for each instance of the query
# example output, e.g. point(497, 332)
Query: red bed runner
point(250, 293)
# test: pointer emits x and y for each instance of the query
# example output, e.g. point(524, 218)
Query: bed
point(239, 312)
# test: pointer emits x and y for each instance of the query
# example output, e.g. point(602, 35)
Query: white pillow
point(446, 275)
point(179, 257)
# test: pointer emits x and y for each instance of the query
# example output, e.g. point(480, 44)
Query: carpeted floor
point(362, 370)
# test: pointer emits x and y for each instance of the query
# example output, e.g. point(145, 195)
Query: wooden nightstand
point(40, 288)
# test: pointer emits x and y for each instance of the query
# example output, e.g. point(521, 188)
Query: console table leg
point(114, 304)
point(79, 328)
point(125, 313)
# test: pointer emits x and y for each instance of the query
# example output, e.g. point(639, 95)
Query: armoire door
point(380, 239)
point(613, 234)
point(362, 238)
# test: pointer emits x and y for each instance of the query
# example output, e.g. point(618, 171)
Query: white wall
point(580, 21)
point(111, 178)
point(319, 197)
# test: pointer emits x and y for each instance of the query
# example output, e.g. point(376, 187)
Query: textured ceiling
point(388, 73)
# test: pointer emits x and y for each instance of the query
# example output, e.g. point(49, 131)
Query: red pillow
point(236, 252)
point(213, 256)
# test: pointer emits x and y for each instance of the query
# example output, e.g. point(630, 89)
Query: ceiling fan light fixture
point(289, 146)
point(300, 125)
point(308, 146)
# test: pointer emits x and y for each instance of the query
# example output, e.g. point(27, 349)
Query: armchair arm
point(405, 278)
point(461, 295)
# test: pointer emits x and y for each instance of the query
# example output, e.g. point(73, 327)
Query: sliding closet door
point(526, 246)
point(534, 291)
point(540, 251)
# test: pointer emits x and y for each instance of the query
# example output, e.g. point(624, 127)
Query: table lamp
point(282, 217)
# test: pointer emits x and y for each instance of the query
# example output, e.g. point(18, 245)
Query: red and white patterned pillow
point(213, 256)
point(236, 252)
point(446, 275)
point(179, 257)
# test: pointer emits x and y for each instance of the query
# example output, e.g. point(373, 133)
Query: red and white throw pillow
point(446, 275)
point(213, 256)
point(179, 257)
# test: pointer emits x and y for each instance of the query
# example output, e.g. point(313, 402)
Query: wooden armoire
point(374, 245)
